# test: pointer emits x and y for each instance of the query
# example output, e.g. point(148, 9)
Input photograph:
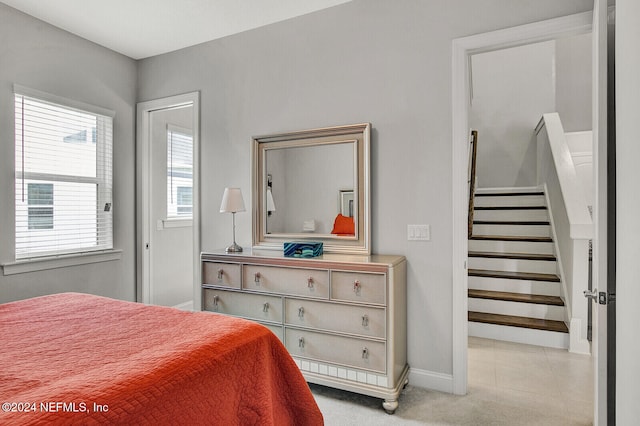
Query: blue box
point(302, 249)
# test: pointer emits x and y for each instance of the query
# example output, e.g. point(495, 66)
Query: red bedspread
point(80, 359)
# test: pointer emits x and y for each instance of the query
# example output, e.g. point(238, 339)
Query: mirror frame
point(360, 134)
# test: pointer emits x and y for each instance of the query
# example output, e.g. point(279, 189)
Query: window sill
point(174, 223)
point(63, 261)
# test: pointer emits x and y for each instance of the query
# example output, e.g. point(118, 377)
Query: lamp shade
point(271, 206)
point(232, 201)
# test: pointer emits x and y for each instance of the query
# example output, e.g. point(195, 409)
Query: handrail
point(473, 152)
point(581, 225)
point(572, 226)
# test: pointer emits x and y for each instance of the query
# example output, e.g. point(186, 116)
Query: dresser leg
point(390, 405)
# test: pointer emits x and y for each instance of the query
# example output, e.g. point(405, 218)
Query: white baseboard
point(525, 336)
point(431, 380)
point(509, 189)
point(577, 344)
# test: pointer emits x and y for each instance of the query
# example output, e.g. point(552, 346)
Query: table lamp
point(232, 202)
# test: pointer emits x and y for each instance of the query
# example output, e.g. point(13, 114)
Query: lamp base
point(234, 248)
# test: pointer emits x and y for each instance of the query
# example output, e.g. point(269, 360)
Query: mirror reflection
point(310, 189)
point(312, 185)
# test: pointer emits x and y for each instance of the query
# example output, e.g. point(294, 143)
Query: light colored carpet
point(509, 384)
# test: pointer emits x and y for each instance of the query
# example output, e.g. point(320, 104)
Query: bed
point(75, 358)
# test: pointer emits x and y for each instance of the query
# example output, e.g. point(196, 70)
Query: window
point(185, 203)
point(63, 176)
point(40, 196)
point(179, 173)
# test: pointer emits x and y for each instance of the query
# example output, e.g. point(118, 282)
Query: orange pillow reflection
point(343, 225)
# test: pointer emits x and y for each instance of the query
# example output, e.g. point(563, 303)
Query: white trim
point(144, 109)
point(580, 223)
point(599, 111)
point(178, 129)
point(551, 29)
point(507, 190)
point(431, 380)
point(462, 48)
point(526, 336)
point(62, 261)
point(176, 223)
point(577, 344)
point(460, 194)
point(70, 103)
point(556, 250)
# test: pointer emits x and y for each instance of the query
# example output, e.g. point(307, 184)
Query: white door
point(601, 255)
point(167, 201)
point(171, 192)
point(627, 111)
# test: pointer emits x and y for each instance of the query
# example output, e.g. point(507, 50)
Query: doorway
point(168, 201)
point(462, 50)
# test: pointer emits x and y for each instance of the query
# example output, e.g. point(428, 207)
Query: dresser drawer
point(223, 274)
point(293, 281)
point(277, 330)
point(257, 307)
point(362, 320)
point(347, 351)
point(358, 287)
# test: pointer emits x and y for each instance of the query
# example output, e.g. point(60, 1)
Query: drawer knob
point(357, 286)
point(365, 353)
point(301, 312)
point(365, 320)
point(301, 342)
point(310, 282)
point(256, 278)
point(265, 307)
point(215, 301)
point(220, 273)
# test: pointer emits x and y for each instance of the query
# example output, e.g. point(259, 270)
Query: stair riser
point(514, 265)
point(510, 246)
point(549, 339)
point(520, 215)
point(519, 200)
point(515, 286)
point(513, 230)
point(530, 310)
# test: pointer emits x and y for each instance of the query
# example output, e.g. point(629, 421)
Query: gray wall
point(39, 56)
point(512, 88)
point(573, 82)
point(312, 178)
point(384, 62)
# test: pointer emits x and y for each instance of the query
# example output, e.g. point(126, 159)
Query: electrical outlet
point(418, 233)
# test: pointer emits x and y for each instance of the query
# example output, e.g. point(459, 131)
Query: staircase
point(514, 288)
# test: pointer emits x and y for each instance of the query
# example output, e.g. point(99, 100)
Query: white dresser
point(342, 317)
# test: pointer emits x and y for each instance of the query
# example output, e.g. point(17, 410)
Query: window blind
point(63, 181)
point(179, 173)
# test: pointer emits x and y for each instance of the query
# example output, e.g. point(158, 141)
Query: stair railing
point(572, 224)
point(471, 178)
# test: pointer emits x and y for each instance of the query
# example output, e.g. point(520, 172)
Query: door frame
point(143, 197)
point(604, 238)
point(463, 48)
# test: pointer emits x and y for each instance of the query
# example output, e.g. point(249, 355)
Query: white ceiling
point(143, 28)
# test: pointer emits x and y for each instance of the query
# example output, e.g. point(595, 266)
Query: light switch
point(418, 233)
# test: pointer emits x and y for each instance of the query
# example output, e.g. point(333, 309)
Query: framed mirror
point(313, 185)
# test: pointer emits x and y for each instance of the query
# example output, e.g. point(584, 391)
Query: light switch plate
point(418, 233)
